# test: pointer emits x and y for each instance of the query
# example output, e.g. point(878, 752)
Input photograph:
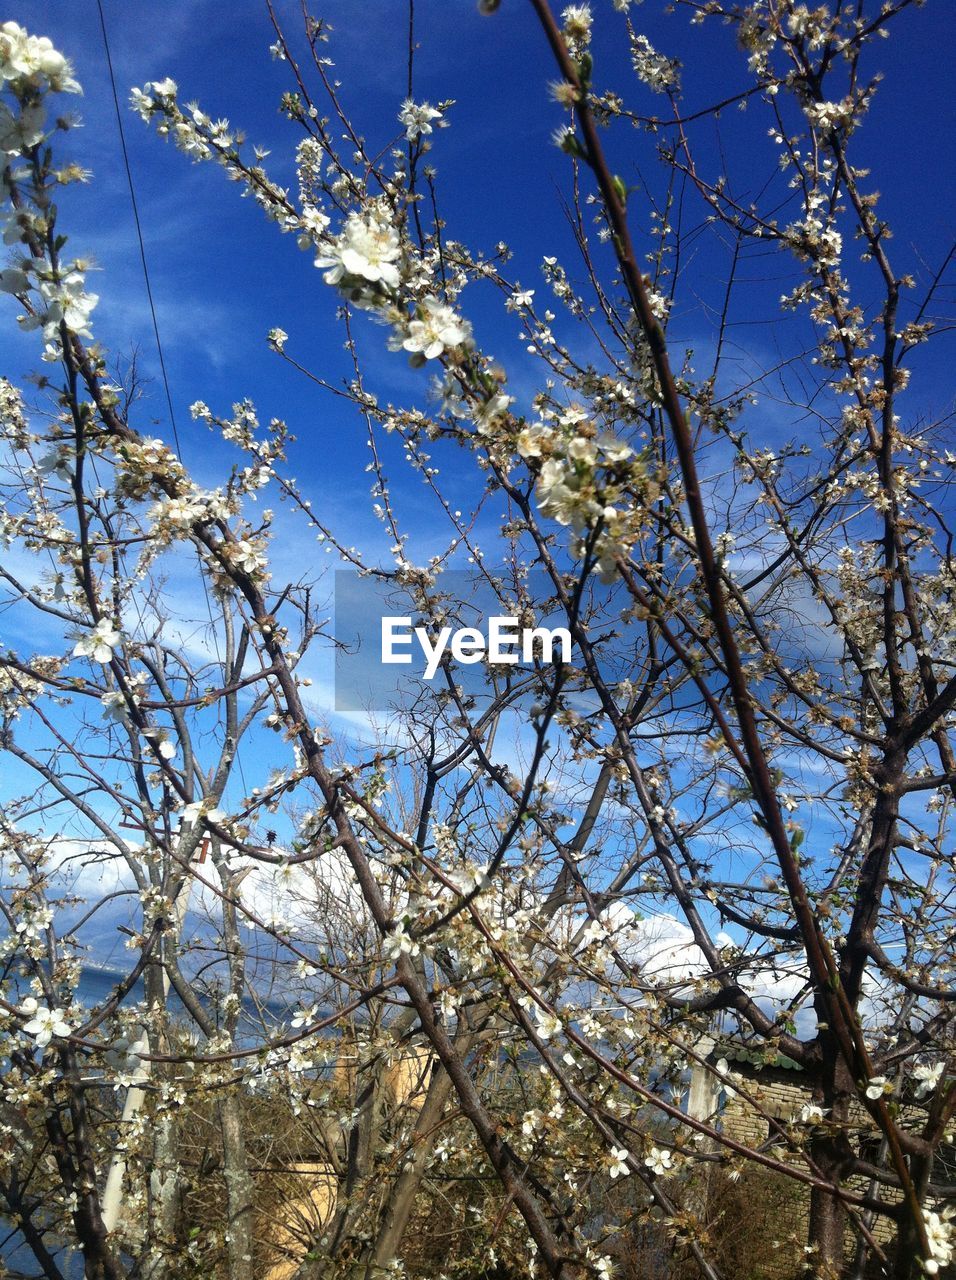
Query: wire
point(139, 228)
point(152, 311)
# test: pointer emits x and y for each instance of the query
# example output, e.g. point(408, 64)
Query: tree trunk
point(239, 1190)
point(908, 1265)
point(831, 1154)
point(362, 1141)
point(827, 1220)
point(401, 1201)
point(165, 1188)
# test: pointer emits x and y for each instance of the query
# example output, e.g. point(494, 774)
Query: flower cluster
point(590, 480)
point(656, 71)
point(418, 119)
point(53, 295)
point(434, 329)
point(815, 238)
point(942, 1239)
point(32, 64)
point(366, 251)
point(576, 22)
point(927, 1077)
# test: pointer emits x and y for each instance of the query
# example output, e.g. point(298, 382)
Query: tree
point(727, 814)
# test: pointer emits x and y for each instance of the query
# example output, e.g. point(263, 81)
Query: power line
point(152, 312)
point(139, 229)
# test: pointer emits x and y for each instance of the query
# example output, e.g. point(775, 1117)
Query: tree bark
point(239, 1190)
point(401, 1201)
point(831, 1154)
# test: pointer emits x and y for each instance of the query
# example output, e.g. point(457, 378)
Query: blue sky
point(222, 276)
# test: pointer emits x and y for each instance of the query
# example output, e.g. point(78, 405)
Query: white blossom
point(520, 298)
point(577, 19)
point(200, 809)
point(928, 1077)
point(63, 300)
point(535, 441)
point(367, 249)
point(811, 1113)
point(436, 328)
point(417, 118)
point(940, 1235)
point(548, 1024)
point(100, 642)
point(314, 223)
point(659, 1160)
point(114, 706)
point(399, 942)
point(656, 71)
point(246, 555)
point(21, 130)
point(32, 61)
point(45, 1023)
point(305, 1016)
